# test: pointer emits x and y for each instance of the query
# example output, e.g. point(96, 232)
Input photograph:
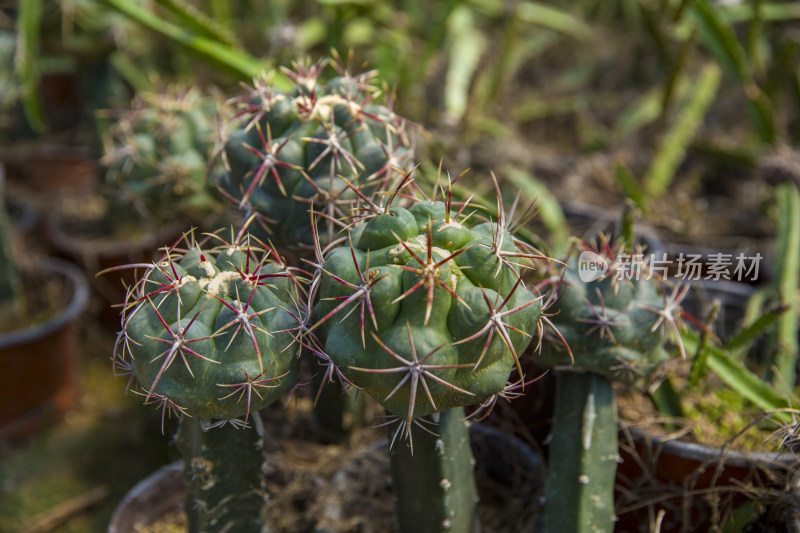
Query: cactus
point(613, 326)
point(10, 289)
point(427, 313)
point(208, 333)
point(157, 154)
point(290, 152)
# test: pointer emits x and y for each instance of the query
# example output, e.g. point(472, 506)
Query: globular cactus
point(157, 154)
point(209, 332)
point(425, 312)
point(424, 308)
point(615, 322)
point(288, 152)
point(614, 316)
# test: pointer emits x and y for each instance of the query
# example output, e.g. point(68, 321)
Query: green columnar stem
point(583, 456)
point(224, 476)
point(9, 277)
point(337, 413)
point(435, 487)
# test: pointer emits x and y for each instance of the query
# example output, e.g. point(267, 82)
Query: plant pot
point(39, 364)
point(51, 167)
point(501, 459)
point(693, 486)
point(95, 253)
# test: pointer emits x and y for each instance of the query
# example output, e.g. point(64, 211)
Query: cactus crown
point(424, 306)
point(208, 330)
point(157, 153)
point(615, 323)
point(308, 148)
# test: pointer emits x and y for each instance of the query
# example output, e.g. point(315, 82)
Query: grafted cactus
point(308, 147)
point(614, 315)
point(209, 333)
point(157, 154)
point(427, 313)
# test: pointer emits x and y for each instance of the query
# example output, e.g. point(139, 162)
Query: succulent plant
point(424, 308)
point(209, 333)
point(307, 148)
point(614, 316)
point(10, 289)
point(157, 154)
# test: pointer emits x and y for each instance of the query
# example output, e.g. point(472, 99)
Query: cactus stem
point(223, 472)
point(434, 483)
point(583, 455)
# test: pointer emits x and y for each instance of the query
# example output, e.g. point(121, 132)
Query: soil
point(41, 298)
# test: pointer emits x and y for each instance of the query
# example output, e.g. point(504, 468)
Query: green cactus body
point(442, 314)
point(289, 151)
point(615, 327)
point(209, 334)
point(608, 325)
point(157, 154)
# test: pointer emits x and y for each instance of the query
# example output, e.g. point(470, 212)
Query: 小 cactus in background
point(209, 333)
point(288, 152)
point(424, 308)
point(157, 154)
point(615, 314)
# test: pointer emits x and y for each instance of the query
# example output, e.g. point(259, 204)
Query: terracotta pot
point(39, 364)
point(49, 168)
point(505, 460)
point(152, 498)
point(694, 486)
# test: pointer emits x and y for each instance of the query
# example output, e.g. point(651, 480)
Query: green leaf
point(627, 182)
point(749, 385)
point(672, 149)
point(550, 212)
point(26, 61)
point(720, 39)
point(237, 61)
point(554, 19)
point(741, 342)
point(197, 21)
point(788, 252)
point(467, 44)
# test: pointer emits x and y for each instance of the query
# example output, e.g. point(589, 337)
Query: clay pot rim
point(78, 245)
point(77, 302)
point(706, 454)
